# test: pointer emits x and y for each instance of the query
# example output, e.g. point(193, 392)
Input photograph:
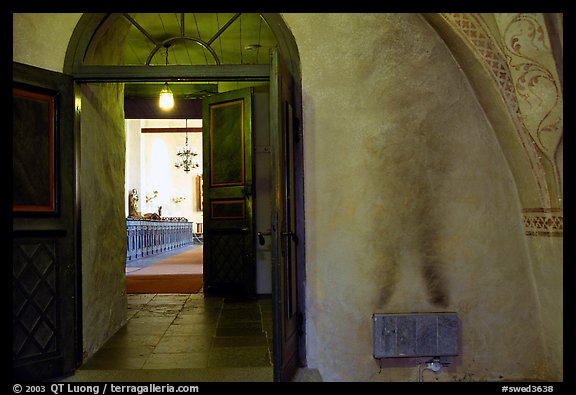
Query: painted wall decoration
point(517, 54)
point(532, 69)
point(544, 222)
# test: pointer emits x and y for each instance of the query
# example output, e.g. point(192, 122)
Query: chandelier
point(185, 155)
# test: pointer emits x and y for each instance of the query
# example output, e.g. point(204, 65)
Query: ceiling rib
point(168, 42)
point(219, 32)
point(140, 28)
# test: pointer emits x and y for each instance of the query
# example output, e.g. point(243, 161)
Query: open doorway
point(108, 50)
point(96, 55)
point(190, 330)
point(165, 203)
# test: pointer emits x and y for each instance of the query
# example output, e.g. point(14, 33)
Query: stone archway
point(95, 56)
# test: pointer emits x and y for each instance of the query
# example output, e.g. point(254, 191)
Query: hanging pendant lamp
point(166, 100)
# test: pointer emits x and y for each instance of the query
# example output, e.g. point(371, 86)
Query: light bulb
point(166, 101)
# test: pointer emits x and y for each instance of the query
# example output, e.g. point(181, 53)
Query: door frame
point(288, 237)
point(79, 43)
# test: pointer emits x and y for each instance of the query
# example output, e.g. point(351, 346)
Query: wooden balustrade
point(148, 237)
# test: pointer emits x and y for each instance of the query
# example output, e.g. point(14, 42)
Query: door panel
point(286, 231)
point(45, 305)
point(227, 143)
point(229, 262)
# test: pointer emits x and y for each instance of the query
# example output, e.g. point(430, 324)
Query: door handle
point(261, 235)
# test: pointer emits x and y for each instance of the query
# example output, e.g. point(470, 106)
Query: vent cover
point(415, 335)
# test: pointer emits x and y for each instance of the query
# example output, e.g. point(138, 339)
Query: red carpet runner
point(180, 273)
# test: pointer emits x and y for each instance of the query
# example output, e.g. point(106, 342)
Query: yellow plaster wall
point(103, 150)
point(410, 203)
point(41, 40)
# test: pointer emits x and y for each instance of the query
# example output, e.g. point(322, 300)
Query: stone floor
point(187, 337)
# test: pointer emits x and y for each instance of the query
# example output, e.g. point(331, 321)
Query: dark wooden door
point(287, 226)
point(229, 261)
point(46, 339)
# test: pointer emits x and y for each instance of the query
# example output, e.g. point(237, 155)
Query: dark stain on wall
point(389, 279)
point(428, 243)
point(415, 176)
point(433, 274)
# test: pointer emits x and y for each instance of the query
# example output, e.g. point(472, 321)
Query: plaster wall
point(102, 175)
point(103, 147)
point(410, 203)
point(411, 206)
point(41, 40)
point(548, 256)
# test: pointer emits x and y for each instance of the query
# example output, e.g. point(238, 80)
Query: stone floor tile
point(177, 361)
point(183, 344)
point(239, 357)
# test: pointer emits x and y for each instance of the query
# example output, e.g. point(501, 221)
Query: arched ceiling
point(197, 39)
point(159, 39)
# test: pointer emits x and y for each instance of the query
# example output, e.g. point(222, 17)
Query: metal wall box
point(415, 335)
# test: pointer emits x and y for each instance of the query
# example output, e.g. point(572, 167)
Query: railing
point(148, 237)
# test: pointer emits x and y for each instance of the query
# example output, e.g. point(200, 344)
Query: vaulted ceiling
point(197, 39)
point(158, 39)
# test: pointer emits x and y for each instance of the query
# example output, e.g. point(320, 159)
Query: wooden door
point(229, 261)
point(46, 340)
point(287, 226)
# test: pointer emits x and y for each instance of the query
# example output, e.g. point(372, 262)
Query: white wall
point(150, 167)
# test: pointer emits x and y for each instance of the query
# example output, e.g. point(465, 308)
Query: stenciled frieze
point(546, 222)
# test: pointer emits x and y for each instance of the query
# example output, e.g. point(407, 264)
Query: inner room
point(163, 206)
point(171, 322)
point(164, 203)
